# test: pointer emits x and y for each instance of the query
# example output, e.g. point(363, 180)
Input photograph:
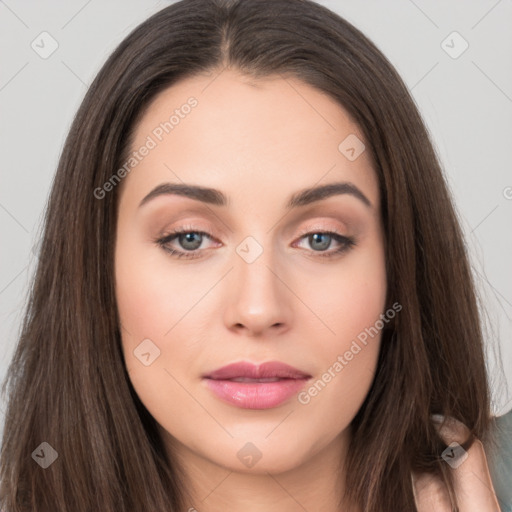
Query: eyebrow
point(217, 198)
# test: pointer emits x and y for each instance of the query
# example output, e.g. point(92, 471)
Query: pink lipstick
point(249, 386)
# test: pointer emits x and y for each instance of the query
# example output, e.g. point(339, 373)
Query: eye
point(188, 238)
point(191, 239)
point(321, 240)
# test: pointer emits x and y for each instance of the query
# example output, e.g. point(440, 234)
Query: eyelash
point(346, 242)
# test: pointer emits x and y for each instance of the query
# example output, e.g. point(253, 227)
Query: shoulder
point(473, 485)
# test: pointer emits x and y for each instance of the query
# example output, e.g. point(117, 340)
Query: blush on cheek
point(349, 312)
point(142, 297)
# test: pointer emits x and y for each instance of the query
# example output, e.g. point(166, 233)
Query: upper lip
point(271, 369)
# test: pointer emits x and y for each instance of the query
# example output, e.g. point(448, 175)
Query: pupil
point(324, 244)
point(188, 238)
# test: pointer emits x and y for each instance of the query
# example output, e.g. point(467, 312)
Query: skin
point(259, 142)
point(472, 480)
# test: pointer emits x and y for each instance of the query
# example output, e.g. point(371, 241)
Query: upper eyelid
point(174, 234)
point(322, 223)
point(304, 231)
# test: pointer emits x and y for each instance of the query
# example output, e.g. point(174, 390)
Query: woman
point(318, 349)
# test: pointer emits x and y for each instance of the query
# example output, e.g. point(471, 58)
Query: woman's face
point(265, 283)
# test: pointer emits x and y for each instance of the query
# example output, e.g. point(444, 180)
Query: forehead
point(248, 136)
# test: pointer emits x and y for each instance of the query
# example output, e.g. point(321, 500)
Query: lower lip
point(254, 395)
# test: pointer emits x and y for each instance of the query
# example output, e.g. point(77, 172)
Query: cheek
point(151, 297)
point(335, 396)
point(352, 306)
point(348, 297)
point(346, 367)
point(139, 296)
point(149, 307)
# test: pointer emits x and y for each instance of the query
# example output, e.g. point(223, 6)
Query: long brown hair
point(67, 383)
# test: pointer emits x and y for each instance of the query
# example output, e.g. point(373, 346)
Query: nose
point(260, 302)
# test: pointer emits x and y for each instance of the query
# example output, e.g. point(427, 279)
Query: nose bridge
point(258, 299)
point(253, 267)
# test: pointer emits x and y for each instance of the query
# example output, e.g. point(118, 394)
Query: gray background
point(465, 101)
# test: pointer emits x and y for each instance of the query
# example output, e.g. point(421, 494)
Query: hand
point(472, 481)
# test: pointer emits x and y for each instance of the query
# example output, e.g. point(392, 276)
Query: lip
point(261, 386)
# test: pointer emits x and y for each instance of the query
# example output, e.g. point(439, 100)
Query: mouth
point(246, 379)
point(250, 386)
